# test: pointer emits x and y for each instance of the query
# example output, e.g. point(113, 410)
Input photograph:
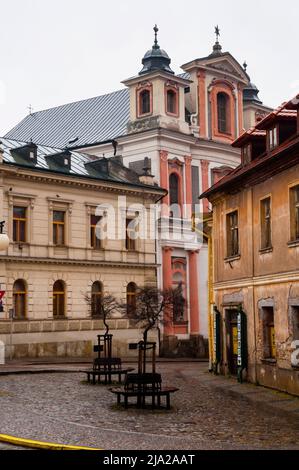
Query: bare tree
point(103, 307)
point(154, 306)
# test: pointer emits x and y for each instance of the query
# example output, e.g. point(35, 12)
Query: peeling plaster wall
point(259, 279)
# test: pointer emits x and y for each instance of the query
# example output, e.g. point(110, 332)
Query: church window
point(171, 102)
point(174, 188)
point(144, 102)
point(223, 112)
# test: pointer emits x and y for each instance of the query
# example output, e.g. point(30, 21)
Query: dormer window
point(59, 161)
point(144, 102)
point(246, 153)
point(26, 154)
point(273, 137)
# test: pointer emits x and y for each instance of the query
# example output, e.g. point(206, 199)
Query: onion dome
point(250, 92)
point(156, 58)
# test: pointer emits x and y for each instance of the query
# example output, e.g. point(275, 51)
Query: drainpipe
point(210, 291)
point(211, 299)
point(156, 249)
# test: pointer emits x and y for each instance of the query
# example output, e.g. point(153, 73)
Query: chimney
point(147, 177)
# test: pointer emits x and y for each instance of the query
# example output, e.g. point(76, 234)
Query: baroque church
point(178, 130)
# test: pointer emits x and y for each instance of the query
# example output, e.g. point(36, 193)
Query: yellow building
point(256, 255)
point(51, 202)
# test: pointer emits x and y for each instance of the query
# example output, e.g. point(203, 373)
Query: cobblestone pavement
point(208, 413)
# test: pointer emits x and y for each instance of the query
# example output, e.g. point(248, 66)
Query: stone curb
point(18, 441)
point(38, 371)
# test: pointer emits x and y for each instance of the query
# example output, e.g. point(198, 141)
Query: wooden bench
point(142, 394)
point(106, 367)
point(107, 374)
point(147, 381)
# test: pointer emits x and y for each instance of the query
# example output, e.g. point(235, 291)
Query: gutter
point(150, 188)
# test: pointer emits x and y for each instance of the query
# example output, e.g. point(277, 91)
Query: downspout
point(156, 251)
point(210, 292)
point(211, 299)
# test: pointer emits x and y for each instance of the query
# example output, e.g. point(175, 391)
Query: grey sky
point(57, 51)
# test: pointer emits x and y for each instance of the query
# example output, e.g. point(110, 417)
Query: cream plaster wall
point(40, 264)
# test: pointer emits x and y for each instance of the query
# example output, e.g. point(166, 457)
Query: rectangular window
point(19, 224)
point(58, 304)
point(131, 234)
point(246, 154)
point(59, 228)
point(95, 242)
point(294, 212)
point(265, 213)
point(19, 299)
point(273, 138)
point(269, 333)
point(232, 234)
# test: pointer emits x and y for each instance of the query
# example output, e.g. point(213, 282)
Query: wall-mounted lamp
point(4, 240)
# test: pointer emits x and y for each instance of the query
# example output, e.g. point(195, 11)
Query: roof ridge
point(77, 101)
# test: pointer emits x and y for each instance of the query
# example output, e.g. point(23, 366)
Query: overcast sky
point(57, 51)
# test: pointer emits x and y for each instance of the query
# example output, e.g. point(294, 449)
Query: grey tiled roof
point(77, 168)
point(185, 75)
point(89, 121)
point(92, 120)
point(77, 160)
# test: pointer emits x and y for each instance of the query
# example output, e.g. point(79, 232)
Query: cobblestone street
point(208, 413)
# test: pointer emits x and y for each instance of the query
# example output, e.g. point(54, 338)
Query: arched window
point(131, 297)
point(171, 99)
point(223, 112)
point(179, 278)
point(174, 189)
point(19, 298)
point(59, 299)
point(96, 298)
point(145, 102)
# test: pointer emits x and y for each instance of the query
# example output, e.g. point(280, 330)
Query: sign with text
point(242, 340)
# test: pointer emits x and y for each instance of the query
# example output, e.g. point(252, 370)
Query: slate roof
point(77, 165)
point(91, 121)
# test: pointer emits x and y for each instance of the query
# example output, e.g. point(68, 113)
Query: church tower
point(157, 94)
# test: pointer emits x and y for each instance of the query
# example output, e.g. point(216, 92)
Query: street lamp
point(4, 240)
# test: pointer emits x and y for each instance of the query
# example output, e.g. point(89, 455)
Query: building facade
point(184, 126)
point(256, 254)
point(52, 203)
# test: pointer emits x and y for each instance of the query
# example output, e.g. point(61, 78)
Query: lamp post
point(4, 244)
